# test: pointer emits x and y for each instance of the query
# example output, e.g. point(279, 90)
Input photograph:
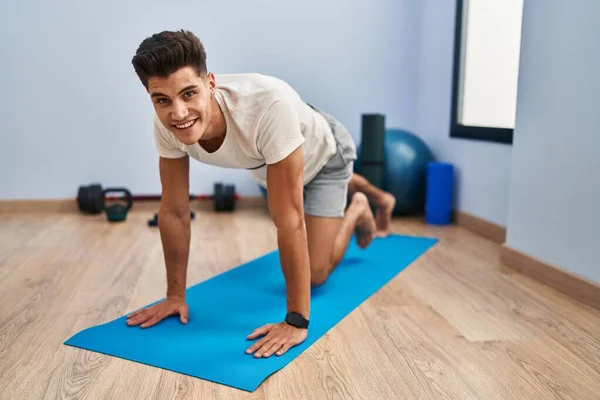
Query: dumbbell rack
point(224, 198)
point(91, 200)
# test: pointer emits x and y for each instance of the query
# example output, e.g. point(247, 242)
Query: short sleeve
point(279, 132)
point(165, 142)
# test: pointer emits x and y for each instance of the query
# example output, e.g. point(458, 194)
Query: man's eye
point(162, 101)
point(189, 94)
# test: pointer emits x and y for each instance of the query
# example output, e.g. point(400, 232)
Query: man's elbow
point(289, 222)
point(175, 210)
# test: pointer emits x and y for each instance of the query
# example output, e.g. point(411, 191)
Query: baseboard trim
point(574, 286)
point(34, 206)
point(480, 226)
point(70, 205)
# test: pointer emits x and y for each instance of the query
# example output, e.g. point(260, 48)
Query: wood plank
point(476, 292)
point(455, 324)
point(486, 228)
point(579, 288)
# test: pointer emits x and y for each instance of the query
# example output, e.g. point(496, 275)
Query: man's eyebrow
point(185, 89)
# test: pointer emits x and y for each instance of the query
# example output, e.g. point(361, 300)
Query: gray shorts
point(327, 194)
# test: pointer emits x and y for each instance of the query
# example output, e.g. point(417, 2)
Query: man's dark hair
point(164, 53)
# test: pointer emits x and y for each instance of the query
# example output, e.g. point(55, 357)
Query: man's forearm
point(175, 235)
point(293, 251)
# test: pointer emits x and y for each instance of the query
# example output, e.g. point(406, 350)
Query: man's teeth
point(186, 125)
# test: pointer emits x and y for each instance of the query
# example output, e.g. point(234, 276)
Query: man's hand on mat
point(152, 315)
point(278, 338)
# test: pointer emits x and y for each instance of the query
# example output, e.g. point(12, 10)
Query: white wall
point(483, 194)
point(555, 180)
point(73, 111)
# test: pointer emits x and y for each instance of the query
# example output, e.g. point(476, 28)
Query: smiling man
point(301, 154)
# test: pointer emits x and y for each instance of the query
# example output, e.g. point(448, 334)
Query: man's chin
point(187, 139)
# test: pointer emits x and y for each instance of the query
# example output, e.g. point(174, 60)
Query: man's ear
point(211, 83)
point(211, 80)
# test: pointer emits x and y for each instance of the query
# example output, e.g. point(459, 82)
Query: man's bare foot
point(365, 224)
point(383, 214)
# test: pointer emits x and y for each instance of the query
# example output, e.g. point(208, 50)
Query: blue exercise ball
point(406, 162)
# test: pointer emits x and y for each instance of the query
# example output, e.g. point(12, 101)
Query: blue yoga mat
point(225, 309)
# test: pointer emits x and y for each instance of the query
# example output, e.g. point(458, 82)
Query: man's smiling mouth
point(186, 125)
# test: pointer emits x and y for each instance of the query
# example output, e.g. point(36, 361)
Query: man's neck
point(215, 134)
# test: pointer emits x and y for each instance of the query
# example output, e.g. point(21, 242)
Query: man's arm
point(174, 227)
point(174, 222)
point(285, 200)
point(278, 134)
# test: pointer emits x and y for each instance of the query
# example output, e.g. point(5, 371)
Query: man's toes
point(364, 238)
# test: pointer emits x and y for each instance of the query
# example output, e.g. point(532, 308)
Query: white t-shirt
point(266, 121)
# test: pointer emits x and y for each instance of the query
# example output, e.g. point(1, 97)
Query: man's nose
point(180, 111)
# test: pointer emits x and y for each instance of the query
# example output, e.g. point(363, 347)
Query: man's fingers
point(263, 347)
point(137, 313)
point(263, 330)
point(256, 346)
point(286, 346)
point(152, 321)
point(142, 317)
point(184, 315)
point(272, 347)
point(152, 315)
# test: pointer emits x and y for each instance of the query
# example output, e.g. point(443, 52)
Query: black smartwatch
point(297, 320)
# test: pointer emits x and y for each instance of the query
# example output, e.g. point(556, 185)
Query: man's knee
point(318, 276)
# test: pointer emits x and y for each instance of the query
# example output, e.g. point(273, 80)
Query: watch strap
point(297, 320)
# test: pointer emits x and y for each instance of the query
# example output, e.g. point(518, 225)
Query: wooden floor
point(454, 325)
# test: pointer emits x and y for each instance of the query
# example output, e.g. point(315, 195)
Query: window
point(486, 69)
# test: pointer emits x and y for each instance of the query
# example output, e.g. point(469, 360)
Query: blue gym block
point(440, 193)
point(225, 309)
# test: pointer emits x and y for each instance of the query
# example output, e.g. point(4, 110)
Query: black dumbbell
point(90, 199)
point(224, 197)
